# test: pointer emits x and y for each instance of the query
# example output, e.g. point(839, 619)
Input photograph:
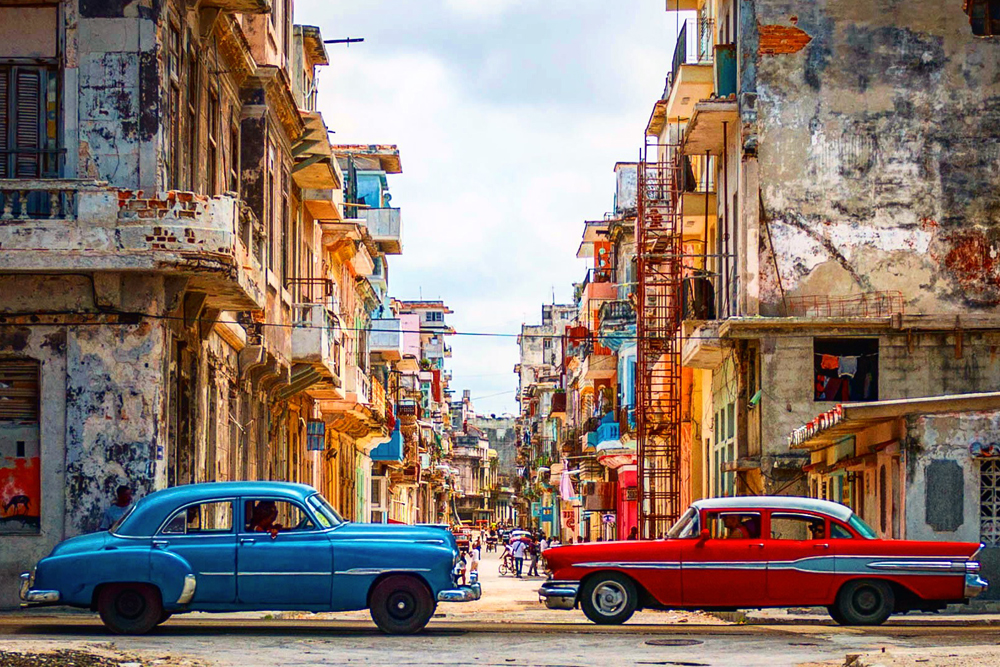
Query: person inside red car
point(738, 530)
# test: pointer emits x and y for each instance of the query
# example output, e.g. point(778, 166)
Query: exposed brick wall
point(780, 39)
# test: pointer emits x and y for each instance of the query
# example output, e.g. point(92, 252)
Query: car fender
point(76, 576)
point(359, 564)
point(167, 572)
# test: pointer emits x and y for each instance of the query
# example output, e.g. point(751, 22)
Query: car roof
point(835, 510)
point(153, 510)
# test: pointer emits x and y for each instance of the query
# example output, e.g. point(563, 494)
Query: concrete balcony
point(240, 6)
point(385, 227)
point(54, 225)
point(316, 344)
point(385, 339)
point(599, 364)
point(702, 348)
point(358, 385)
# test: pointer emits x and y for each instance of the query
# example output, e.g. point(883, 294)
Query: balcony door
point(29, 114)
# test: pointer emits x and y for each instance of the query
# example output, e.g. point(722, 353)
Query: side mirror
point(703, 536)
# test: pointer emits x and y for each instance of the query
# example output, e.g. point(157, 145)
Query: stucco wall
point(878, 135)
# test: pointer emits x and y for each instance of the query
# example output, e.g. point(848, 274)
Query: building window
point(234, 153)
point(173, 107)
point(20, 453)
point(28, 122)
point(191, 140)
point(212, 163)
point(724, 449)
point(286, 232)
point(435, 316)
point(845, 369)
point(984, 17)
point(989, 502)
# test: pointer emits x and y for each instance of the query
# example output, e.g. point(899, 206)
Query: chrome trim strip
point(187, 592)
point(285, 574)
point(919, 565)
point(637, 565)
point(217, 574)
point(371, 571)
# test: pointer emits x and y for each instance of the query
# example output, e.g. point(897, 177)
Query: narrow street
point(506, 626)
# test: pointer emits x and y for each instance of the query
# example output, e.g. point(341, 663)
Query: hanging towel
point(848, 367)
point(829, 362)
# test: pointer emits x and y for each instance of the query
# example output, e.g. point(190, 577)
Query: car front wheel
point(401, 605)
point(130, 609)
point(864, 602)
point(609, 598)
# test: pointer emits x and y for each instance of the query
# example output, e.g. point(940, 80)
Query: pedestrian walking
point(517, 549)
point(533, 551)
point(475, 554)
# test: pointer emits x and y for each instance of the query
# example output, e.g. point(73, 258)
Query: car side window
point(275, 516)
point(202, 519)
point(728, 525)
point(840, 532)
point(797, 527)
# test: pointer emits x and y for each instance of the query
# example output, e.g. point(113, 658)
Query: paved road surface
point(509, 627)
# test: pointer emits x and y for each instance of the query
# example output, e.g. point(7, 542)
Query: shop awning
point(848, 419)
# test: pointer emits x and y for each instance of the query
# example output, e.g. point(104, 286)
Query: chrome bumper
point(559, 594)
point(974, 585)
point(30, 595)
point(461, 594)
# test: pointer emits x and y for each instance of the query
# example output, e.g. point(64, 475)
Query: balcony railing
point(50, 224)
point(316, 338)
point(385, 227)
point(378, 399)
point(617, 312)
point(694, 46)
point(385, 337)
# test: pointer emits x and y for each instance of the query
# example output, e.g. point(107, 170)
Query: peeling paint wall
point(879, 151)
point(934, 442)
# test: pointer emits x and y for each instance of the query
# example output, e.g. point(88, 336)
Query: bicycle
point(506, 565)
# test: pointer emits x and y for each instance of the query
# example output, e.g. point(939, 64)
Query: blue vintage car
point(242, 546)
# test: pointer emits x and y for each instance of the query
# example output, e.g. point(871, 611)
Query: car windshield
point(862, 528)
point(325, 514)
point(686, 526)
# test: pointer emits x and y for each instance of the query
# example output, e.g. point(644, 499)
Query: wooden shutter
point(19, 390)
point(4, 122)
point(28, 122)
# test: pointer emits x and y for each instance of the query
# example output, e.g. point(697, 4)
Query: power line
point(134, 318)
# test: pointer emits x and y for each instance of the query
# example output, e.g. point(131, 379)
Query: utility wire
point(134, 318)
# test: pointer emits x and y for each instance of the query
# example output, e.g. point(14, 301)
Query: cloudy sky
point(509, 116)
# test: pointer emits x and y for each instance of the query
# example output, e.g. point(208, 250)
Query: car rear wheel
point(164, 617)
point(864, 602)
point(130, 609)
point(609, 598)
point(401, 605)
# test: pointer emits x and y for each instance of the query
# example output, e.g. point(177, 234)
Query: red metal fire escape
point(658, 382)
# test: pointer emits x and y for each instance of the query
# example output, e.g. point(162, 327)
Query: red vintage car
point(763, 551)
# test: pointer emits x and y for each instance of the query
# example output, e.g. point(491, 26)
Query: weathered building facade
point(834, 233)
point(183, 296)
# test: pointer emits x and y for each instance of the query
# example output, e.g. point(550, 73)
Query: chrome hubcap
point(609, 598)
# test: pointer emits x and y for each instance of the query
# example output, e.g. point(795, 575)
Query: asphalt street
point(509, 627)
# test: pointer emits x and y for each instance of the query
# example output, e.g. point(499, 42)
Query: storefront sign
point(545, 514)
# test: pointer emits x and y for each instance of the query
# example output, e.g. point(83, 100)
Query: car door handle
point(160, 544)
point(821, 546)
point(756, 545)
point(247, 540)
